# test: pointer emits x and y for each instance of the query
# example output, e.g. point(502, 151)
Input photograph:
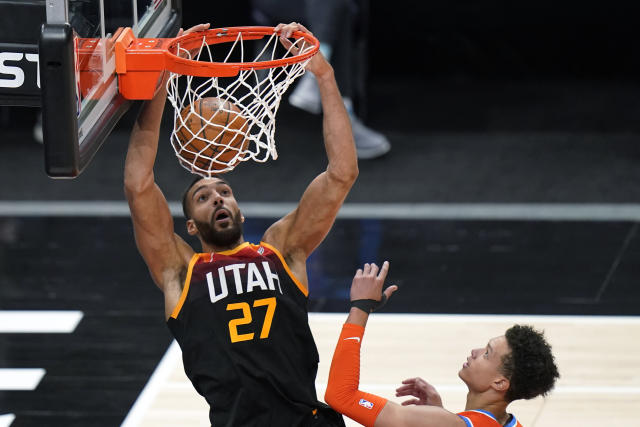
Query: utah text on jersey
point(258, 275)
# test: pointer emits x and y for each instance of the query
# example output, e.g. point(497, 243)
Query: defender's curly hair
point(530, 367)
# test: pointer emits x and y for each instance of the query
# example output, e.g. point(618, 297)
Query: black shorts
point(324, 416)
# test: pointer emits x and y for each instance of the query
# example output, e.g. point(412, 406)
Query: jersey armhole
point(298, 283)
point(466, 420)
point(185, 288)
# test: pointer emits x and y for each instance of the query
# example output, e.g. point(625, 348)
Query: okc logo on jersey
point(254, 276)
point(365, 404)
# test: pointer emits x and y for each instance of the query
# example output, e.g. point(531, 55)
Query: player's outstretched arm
point(344, 376)
point(164, 252)
point(150, 214)
point(301, 231)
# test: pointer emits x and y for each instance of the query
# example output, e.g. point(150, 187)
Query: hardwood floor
point(597, 358)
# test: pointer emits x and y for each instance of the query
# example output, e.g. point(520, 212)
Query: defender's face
point(482, 367)
point(215, 212)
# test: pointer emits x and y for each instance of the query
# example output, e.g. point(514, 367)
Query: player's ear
point(191, 227)
point(501, 384)
point(242, 218)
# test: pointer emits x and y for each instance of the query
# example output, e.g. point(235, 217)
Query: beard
point(225, 237)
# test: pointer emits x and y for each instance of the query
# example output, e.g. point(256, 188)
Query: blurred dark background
point(482, 101)
point(488, 40)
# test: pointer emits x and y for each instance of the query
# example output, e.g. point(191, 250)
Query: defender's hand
point(368, 282)
point(424, 393)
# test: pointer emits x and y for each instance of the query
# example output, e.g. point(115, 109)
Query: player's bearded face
point(224, 233)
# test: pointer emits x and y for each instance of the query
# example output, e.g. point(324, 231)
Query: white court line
point(39, 321)
point(464, 211)
point(20, 379)
point(170, 359)
point(6, 420)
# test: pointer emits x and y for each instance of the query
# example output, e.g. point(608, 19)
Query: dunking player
point(517, 365)
point(239, 310)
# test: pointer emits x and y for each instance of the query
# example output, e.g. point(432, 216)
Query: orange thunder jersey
point(242, 325)
point(480, 418)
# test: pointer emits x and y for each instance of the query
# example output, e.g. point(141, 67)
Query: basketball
point(211, 133)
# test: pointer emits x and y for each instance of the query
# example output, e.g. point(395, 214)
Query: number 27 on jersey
point(247, 319)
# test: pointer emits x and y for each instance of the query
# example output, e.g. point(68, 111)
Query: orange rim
point(227, 35)
point(141, 62)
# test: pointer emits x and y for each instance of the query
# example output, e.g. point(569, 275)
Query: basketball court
point(82, 334)
point(595, 380)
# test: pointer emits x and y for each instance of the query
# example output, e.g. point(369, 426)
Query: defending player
point(517, 365)
point(239, 310)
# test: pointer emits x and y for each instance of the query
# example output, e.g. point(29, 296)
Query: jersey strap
point(298, 283)
point(185, 288)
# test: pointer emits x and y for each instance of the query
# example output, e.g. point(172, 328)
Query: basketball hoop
point(222, 63)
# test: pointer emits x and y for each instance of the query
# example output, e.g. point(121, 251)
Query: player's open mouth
point(222, 217)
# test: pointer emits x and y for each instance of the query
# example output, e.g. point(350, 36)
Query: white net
point(222, 121)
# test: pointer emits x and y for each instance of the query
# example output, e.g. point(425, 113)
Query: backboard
point(80, 99)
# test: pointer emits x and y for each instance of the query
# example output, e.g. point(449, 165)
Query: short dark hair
point(185, 201)
point(185, 208)
point(530, 366)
